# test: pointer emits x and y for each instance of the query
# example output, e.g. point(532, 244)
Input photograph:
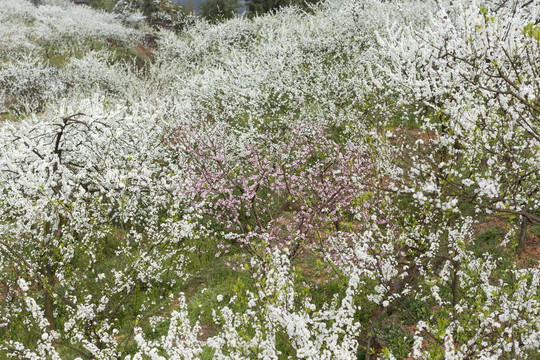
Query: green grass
point(488, 240)
point(419, 309)
point(535, 230)
point(398, 341)
point(489, 243)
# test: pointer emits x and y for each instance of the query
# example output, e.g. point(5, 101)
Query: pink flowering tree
point(284, 188)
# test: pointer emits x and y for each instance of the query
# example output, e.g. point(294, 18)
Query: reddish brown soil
point(144, 51)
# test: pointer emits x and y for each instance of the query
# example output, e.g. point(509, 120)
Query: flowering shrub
point(254, 323)
point(47, 37)
point(285, 188)
point(30, 83)
point(89, 221)
point(478, 84)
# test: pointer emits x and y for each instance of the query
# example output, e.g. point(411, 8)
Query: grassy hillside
point(356, 182)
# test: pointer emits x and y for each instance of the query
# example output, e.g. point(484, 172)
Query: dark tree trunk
point(49, 300)
point(522, 235)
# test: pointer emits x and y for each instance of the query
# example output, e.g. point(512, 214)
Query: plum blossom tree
point(76, 190)
point(474, 72)
point(470, 82)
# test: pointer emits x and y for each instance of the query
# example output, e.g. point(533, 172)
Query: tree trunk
point(455, 288)
point(522, 235)
point(370, 334)
point(49, 276)
point(49, 300)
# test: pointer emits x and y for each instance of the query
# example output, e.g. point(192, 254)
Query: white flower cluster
point(71, 180)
